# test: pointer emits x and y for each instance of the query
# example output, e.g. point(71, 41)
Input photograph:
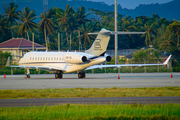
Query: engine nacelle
point(74, 58)
point(108, 58)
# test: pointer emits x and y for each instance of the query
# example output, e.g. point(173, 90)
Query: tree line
point(74, 26)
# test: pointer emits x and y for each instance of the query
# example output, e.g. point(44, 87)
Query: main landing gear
point(81, 75)
point(58, 75)
point(28, 73)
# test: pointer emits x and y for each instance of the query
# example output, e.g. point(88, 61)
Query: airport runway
point(113, 100)
point(128, 80)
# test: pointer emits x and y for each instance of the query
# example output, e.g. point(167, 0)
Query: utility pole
point(32, 41)
point(45, 5)
point(59, 42)
point(79, 39)
point(115, 29)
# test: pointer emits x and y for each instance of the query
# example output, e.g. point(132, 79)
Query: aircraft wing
point(49, 68)
point(121, 65)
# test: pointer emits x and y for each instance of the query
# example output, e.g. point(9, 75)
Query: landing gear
point(28, 76)
point(59, 75)
point(28, 73)
point(81, 75)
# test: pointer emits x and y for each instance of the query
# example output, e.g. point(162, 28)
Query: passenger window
point(33, 58)
point(46, 58)
point(49, 58)
point(30, 58)
point(59, 58)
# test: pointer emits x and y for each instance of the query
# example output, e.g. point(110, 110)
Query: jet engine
point(74, 58)
point(108, 58)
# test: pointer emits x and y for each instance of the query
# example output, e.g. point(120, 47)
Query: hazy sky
point(131, 4)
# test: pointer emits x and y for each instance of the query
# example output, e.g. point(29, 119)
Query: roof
point(19, 43)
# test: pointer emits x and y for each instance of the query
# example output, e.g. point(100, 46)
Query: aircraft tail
point(100, 44)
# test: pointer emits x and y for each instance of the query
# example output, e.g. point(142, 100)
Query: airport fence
point(173, 66)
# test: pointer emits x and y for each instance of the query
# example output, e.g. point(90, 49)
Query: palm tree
point(4, 31)
point(151, 32)
point(175, 28)
point(165, 40)
point(65, 17)
point(27, 18)
point(72, 25)
point(47, 24)
point(11, 14)
point(85, 37)
point(82, 15)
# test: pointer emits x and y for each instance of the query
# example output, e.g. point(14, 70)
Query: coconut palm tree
point(175, 28)
point(73, 26)
point(27, 18)
point(82, 15)
point(4, 30)
point(46, 24)
point(151, 32)
point(11, 14)
point(64, 18)
point(85, 37)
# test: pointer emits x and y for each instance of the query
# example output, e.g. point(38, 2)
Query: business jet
point(67, 62)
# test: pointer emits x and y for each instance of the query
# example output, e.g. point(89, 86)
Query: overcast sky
point(131, 4)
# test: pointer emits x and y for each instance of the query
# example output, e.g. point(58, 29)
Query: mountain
point(168, 10)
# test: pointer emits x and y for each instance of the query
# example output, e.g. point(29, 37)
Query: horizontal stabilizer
point(107, 32)
point(126, 33)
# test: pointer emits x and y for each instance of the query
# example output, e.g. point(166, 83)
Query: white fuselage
point(58, 60)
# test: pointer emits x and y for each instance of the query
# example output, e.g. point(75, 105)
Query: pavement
point(103, 80)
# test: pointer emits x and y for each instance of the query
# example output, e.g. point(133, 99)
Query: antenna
point(45, 5)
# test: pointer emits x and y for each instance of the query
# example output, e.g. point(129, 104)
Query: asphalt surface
point(127, 80)
point(113, 100)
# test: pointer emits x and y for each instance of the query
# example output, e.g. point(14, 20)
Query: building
point(19, 46)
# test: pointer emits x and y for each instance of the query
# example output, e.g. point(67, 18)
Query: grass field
point(90, 92)
point(93, 112)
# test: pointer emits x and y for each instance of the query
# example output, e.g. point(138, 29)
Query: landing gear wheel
point(58, 75)
point(81, 75)
point(28, 76)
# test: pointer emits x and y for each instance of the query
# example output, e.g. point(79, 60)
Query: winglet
point(167, 60)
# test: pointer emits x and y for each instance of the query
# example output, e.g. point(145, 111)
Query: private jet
point(68, 62)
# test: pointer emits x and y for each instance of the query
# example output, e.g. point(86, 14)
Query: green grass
point(93, 112)
point(89, 92)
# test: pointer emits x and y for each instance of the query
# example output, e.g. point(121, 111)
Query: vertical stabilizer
point(100, 44)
